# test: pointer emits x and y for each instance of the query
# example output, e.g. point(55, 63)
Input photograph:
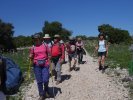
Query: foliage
point(92, 38)
point(22, 41)
point(6, 34)
point(120, 55)
point(115, 35)
point(20, 57)
point(56, 28)
point(84, 37)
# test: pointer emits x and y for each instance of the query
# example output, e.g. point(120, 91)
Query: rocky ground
point(86, 84)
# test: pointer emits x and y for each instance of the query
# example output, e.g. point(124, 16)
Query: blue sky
point(79, 16)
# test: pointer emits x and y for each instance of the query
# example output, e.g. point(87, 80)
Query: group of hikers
point(47, 57)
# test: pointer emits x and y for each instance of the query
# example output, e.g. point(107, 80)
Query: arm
point(49, 52)
point(63, 51)
point(107, 46)
point(95, 49)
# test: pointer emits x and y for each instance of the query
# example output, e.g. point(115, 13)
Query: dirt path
point(86, 84)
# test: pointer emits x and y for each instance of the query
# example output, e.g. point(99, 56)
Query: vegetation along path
point(86, 84)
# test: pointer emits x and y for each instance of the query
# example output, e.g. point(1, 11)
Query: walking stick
point(52, 78)
point(29, 71)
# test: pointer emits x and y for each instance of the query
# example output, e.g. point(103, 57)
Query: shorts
point(100, 54)
point(73, 55)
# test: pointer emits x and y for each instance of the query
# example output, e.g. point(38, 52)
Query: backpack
point(56, 50)
point(12, 76)
point(72, 47)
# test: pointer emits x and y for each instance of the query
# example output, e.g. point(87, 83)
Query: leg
point(39, 79)
point(99, 61)
point(103, 60)
point(45, 75)
point(69, 60)
point(53, 72)
point(81, 59)
point(75, 59)
point(78, 58)
point(58, 70)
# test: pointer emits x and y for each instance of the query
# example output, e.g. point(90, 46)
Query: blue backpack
point(12, 78)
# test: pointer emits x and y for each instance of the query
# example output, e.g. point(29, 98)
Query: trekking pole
point(29, 70)
point(52, 78)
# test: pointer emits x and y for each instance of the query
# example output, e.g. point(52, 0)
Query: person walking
point(80, 46)
point(63, 45)
point(102, 49)
point(72, 54)
point(39, 55)
point(57, 56)
point(47, 41)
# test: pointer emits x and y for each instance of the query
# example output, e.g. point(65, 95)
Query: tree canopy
point(84, 37)
point(23, 41)
point(115, 35)
point(6, 35)
point(55, 28)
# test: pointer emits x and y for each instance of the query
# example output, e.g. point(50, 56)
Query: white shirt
point(102, 47)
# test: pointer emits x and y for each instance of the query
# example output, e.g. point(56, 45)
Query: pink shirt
point(79, 45)
point(40, 52)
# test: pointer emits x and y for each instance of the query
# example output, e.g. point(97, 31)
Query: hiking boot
point(41, 98)
point(100, 67)
point(70, 69)
point(58, 82)
point(55, 79)
point(48, 95)
point(76, 68)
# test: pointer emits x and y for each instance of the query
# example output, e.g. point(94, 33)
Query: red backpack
point(56, 50)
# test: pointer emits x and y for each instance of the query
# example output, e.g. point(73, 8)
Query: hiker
point(80, 46)
point(57, 56)
point(39, 53)
point(72, 54)
point(63, 44)
point(47, 41)
point(102, 49)
point(2, 78)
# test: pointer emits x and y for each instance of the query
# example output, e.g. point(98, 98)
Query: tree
point(23, 41)
point(84, 37)
point(115, 35)
point(6, 35)
point(55, 28)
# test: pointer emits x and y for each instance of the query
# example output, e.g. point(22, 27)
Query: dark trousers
point(80, 56)
point(42, 78)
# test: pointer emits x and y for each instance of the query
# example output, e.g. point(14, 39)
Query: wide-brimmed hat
point(57, 36)
point(79, 39)
point(46, 36)
point(61, 41)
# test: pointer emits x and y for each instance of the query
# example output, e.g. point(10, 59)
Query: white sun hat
point(46, 36)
